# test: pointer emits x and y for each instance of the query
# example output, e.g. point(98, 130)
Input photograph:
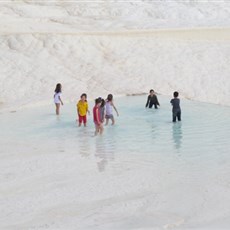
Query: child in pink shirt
point(97, 118)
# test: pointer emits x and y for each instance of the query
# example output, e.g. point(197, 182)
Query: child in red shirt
point(97, 118)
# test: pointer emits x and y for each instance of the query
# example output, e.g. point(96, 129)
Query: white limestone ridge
point(122, 47)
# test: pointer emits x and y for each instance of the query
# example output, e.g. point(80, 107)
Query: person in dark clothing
point(176, 110)
point(152, 100)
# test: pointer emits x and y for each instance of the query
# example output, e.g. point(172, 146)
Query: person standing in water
point(82, 109)
point(152, 100)
point(96, 117)
point(176, 110)
point(57, 98)
point(109, 110)
point(102, 110)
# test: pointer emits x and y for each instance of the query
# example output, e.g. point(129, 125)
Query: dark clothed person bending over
point(152, 100)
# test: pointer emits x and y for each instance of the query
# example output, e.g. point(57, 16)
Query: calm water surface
point(144, 173)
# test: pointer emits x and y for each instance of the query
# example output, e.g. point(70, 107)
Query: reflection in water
point(105, 149)
point(154, 132)
point(58, 118)
point(84, 142)
point(84, 147)
point(60, 139)
point(177, 134)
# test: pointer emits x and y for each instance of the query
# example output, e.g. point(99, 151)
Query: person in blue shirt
point(176, 110)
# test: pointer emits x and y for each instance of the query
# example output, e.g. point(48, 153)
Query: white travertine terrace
point(123, 47)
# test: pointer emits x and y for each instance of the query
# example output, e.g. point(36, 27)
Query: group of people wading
point(103, 108)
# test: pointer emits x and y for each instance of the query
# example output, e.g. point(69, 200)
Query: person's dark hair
point(84, 95)
point(102, 102)
point(58, 88)
point(175, 94)
point(98, 100)
point(151, 90)
point(110, 97)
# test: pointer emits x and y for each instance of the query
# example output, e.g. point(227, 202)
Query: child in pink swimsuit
point(97, 118)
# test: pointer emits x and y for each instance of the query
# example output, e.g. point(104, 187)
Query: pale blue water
point(203, 132)
point(144, 172)
point(200, 139)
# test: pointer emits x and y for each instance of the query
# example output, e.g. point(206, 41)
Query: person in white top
point(57, 98)
point(109, 109)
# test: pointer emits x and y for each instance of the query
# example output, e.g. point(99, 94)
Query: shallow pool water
point(143, 173)
point(204, 129)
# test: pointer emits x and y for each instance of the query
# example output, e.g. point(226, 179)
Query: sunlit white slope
point(119, 47)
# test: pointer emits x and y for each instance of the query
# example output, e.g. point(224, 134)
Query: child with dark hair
point(102, 110)
point(109, 109)
point(82, 109)
point(57, 98)
point(96, 117)
point(152, 100)
point(176, 110)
